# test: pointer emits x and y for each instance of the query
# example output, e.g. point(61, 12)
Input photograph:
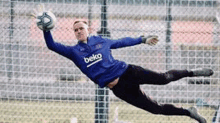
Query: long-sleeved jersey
point(94, 58)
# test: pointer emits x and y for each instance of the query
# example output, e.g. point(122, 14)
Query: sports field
point(38, 85)
point(20, 111)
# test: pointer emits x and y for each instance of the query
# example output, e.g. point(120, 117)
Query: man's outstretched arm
point(127, 41)
point(56, 47)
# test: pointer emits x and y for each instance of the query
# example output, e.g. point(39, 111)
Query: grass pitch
point(22, 111)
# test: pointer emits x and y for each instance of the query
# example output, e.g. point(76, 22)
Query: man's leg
point(128, 90)
point(145, 76)
point(134, 96)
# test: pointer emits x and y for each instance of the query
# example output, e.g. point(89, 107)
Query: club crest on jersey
point(93, 59)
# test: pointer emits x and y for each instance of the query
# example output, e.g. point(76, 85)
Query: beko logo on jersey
point(94, 59)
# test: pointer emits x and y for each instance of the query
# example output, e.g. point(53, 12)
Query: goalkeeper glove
point(150, 40)
point(45, 20)
point(38, 10)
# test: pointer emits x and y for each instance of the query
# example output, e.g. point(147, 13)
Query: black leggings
point(128, 89)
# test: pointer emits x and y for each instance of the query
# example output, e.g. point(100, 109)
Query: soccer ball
point(46, 20)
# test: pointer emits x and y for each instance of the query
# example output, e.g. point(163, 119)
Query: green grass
point(20, 111)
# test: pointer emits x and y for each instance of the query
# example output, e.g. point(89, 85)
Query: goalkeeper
point(92, 55)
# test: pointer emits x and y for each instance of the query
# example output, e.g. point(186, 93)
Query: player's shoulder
point(97, 38)
point(94, 36)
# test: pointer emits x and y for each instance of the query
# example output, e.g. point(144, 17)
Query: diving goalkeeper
point(92, 55)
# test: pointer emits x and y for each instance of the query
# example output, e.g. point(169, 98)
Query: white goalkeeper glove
point(38, 11)
point(150, 40)
point(45, 20)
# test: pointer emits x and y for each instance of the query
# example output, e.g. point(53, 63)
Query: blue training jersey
point(94, 59)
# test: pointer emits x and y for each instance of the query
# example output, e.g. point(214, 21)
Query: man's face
point(81, 31)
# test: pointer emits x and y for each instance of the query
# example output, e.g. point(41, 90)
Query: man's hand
point(150, 40)
point(38, 10)
point(45, 20)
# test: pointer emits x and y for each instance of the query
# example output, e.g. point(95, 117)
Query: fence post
point(168, 35)
point(102, 94)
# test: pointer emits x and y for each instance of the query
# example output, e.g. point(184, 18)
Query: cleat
point(203, 72)
point(195, 115)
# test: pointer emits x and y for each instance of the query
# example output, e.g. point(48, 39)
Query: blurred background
point(38, 85)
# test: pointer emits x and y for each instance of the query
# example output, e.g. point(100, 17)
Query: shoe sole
point(203, 72)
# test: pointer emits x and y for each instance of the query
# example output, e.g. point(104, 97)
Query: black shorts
point(128, 89)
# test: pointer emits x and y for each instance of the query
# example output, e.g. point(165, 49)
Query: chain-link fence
point(38, 85)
